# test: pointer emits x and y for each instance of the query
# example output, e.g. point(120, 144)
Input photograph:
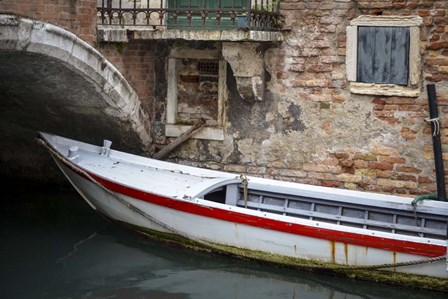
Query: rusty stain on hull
point(333, 251)
point(236, 231)
point(394, 255)
point(346, 253)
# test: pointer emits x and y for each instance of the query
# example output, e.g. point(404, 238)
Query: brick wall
point(77, 16)
point(311, 129)
point(135, 60)
point(400, 162)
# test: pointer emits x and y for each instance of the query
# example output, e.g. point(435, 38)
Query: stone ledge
point(207, 133)
point(107, 33)
point(384, 89)
point(393, 21)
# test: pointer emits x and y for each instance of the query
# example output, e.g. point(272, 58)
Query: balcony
point(230, 20)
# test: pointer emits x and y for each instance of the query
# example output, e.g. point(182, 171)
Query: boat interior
point(368, 214)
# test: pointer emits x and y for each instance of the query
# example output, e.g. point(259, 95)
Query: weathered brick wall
point(399, 158)
point(434, 35)
point(434, 32)
point(311, 129)
point(136, 61)
point(77, 16)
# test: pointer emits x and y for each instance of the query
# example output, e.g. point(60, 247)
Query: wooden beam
point(173, 145)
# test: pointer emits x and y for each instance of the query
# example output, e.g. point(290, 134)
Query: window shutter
point(383, 55)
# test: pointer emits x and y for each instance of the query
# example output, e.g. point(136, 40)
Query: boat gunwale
point(314, 214)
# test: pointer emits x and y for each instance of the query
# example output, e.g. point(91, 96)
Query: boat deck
point(144, 174)
point(374, 212)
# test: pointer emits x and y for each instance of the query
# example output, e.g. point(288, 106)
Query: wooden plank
point(232, 194)
point(173, 145)
point(380, 202)
point(381, 54)
point(400, 56)
point(366, 48)
point(366, 215)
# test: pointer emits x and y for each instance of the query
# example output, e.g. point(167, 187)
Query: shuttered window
point(383, 55)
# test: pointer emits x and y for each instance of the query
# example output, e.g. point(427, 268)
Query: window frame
point(172, 129)
point(413, 88)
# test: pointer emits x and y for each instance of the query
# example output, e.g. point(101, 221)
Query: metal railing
point(262, 15)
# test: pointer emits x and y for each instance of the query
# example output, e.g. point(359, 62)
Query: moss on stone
point(120, 47)
point(324, 105)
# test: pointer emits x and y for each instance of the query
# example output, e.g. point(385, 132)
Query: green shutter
point(383, 55)
point(197, 23)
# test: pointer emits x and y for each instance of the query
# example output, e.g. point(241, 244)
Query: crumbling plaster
point(305, 114)
point(288, 130)
point(330, 127)
point(246, 61)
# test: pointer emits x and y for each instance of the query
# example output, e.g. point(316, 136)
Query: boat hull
point(150, 214)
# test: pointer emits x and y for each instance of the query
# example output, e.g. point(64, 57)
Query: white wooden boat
point(307, 226)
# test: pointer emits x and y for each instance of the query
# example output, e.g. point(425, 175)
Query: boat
point(381, 237)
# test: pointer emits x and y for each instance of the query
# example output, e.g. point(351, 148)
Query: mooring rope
point(75, 248)
point(245, 183)
point(250, 254)
point(436, 124)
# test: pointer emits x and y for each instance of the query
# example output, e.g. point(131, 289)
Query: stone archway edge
point(21, 34)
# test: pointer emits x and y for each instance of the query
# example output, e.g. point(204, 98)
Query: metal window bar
point(262, 15)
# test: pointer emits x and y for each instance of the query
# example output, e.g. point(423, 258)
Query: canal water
point(54, 246)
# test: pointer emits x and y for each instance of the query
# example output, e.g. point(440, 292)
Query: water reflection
point(54, 246)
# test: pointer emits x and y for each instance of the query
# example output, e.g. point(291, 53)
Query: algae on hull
point(381, 276)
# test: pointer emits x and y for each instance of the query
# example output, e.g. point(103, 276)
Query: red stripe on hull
point(429, 250)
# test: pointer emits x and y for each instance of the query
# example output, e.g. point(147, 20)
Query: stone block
point(408, 169)
point(381, 165)
point(392, 160)
point(349, 178)
point(235, 168)
point(397, 183)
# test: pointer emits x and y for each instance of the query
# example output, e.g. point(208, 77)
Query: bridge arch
point(82, 94)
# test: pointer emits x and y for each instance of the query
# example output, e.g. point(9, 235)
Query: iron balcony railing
point(262, 15)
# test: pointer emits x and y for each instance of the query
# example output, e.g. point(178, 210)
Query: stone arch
point(21, 34)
